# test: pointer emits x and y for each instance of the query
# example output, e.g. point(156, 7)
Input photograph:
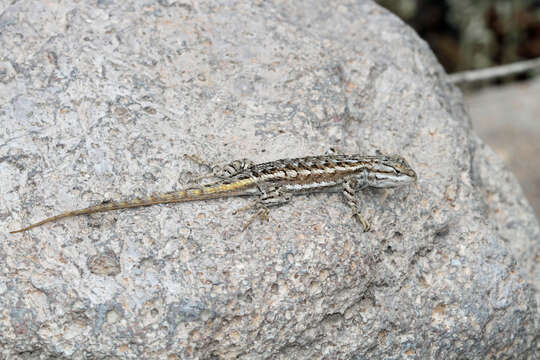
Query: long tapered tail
point(214, 191)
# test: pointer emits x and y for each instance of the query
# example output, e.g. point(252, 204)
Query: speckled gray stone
point(100, 100)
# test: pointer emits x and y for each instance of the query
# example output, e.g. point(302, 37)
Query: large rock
point(101, 101)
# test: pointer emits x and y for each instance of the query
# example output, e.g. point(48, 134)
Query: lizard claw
point(262, 213)
point(365, 224)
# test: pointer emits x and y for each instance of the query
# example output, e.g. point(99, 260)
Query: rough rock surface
point(100, 100)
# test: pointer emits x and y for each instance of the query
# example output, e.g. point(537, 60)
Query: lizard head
point(391, 171)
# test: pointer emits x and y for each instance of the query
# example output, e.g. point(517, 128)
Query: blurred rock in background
point(470, 34)
point(474, 34)
point(507, 118)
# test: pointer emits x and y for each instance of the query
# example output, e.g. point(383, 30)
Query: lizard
point(276, 182)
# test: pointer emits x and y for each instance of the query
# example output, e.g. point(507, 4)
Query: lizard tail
point(203, 193)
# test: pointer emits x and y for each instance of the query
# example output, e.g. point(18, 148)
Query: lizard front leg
point(351, 186)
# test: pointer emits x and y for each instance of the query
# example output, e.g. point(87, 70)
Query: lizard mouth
point(395, 180)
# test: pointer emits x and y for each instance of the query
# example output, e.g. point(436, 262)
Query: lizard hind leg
point(334, 151)
point(274, 196)
point(220, 172)
point(262, 213)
